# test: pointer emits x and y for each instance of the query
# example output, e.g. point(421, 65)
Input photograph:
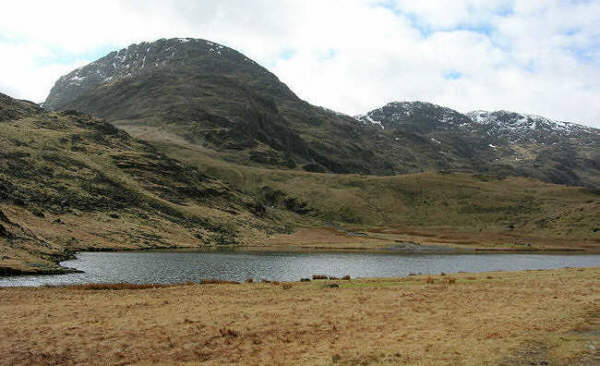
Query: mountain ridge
point(214, 98)
point(516, 143)
point(480, 116)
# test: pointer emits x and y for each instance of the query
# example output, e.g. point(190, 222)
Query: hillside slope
point(469, 210)
point(70, 182)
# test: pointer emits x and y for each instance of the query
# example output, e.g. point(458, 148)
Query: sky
point(540, 57)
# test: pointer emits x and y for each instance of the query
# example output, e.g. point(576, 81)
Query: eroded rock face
point(3, 232)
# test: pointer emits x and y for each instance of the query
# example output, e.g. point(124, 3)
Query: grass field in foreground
point(503, 318)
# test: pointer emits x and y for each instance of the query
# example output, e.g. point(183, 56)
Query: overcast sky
point(532, 56)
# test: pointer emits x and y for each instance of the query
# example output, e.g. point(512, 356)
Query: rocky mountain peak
point(418, 116)
point(134, 60)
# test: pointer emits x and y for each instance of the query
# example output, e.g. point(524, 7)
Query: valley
point(328, 183)
point(187, 143)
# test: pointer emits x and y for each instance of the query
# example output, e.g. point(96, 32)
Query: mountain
point(209, 95)
point(418, 117)
point(199, 97)
point(503, 142)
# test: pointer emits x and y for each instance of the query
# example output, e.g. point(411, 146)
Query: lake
point(238, 265)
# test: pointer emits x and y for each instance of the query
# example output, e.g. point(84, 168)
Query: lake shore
point(510, 318)
point(396, 240)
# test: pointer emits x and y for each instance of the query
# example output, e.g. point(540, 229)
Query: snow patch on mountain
point(400, 114)
point(520, 126)
point(493, 128)
point(368, 120)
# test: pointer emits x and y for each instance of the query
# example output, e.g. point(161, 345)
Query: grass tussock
point(218, 282)
point(229, 333)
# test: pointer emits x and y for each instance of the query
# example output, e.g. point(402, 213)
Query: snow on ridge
point(365, 118)
point(378, 123)
point(76, 77)
point(481, 117)
point(521, 122)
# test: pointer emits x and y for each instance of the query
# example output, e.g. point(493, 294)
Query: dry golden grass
point(513, 318)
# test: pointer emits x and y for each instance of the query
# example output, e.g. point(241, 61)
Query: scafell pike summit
point(191, 93)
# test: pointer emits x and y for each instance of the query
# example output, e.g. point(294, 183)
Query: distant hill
point(501, 142)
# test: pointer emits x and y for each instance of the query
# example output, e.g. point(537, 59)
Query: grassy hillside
point(430, 207)
point(70, 182)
